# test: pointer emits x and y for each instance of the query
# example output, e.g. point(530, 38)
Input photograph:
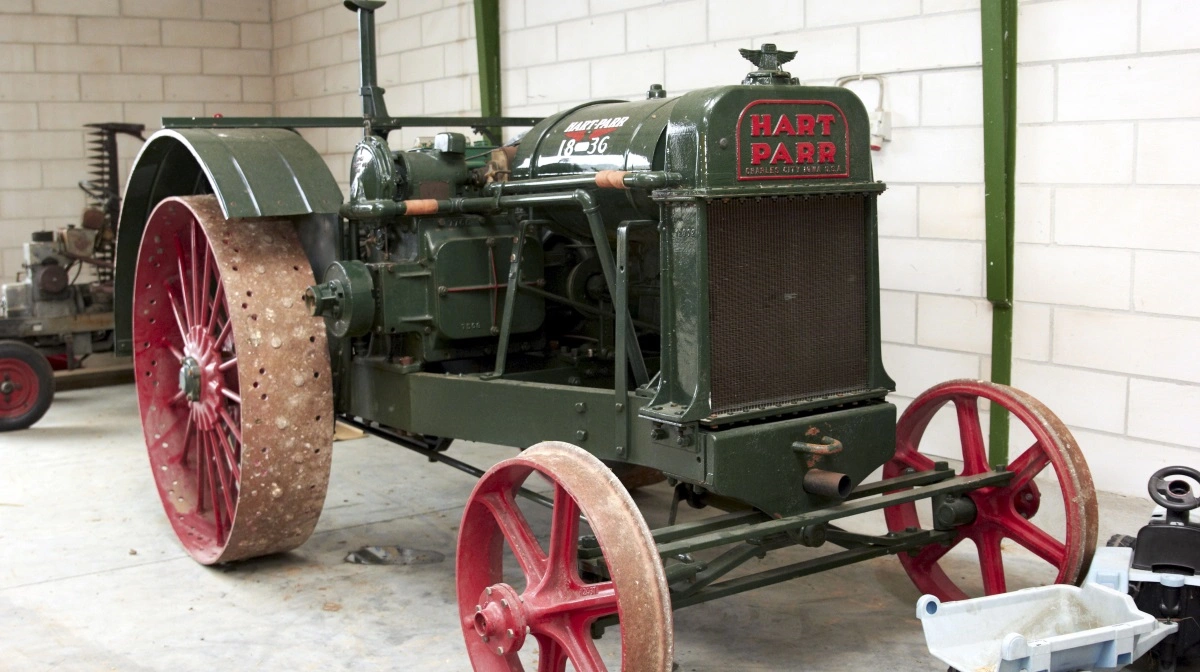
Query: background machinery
point(48, 320)
point(687, 285)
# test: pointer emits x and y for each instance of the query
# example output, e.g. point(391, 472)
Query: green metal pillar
point(487, 50)
point(999, 27)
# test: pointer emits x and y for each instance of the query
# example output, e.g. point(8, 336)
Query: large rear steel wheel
point(1003, 512)
point(233, 380)
point(556, 608)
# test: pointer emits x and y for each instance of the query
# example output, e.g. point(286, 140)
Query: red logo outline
point(798, 176)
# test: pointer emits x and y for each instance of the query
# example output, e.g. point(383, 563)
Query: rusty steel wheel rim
point(233, 380)
point(556, 609)
point(1003, 512)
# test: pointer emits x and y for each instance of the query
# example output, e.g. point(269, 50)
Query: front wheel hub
point(500, 619)
point(189, 378)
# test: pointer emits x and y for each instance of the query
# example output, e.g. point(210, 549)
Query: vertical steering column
point(371, 92)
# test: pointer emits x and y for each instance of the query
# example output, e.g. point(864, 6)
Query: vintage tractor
point(688, 285)
point(48, 320)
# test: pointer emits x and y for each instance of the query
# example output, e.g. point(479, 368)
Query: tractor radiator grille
point(787, 299)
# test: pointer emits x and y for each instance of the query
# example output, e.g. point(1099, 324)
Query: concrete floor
point(92, 578)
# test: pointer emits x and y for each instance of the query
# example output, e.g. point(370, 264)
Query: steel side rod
point(671, 533)
point(437, 456)
point(510, 299)
point(581, 307)
point(805, 568)
point(743, 532)
point(591, 210)
point(621, 354)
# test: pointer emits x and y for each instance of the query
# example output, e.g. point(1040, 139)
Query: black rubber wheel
point(26, 385)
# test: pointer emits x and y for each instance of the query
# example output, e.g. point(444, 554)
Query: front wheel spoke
point(914, 460)
point(991, 562)
point(177, 398)
point(518, 534)
point(587, 602)
point(1028, 466)
point(1035, 539)
point(231, 395)
point(564, 532)
point(227, 364)
point(971, 434)
point(551, 656)
point(576, 640)
point(176, 352)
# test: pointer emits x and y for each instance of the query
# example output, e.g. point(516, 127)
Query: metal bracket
point(621, 347)
point(510, 299)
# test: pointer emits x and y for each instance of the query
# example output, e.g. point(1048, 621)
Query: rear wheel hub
point(189, 379)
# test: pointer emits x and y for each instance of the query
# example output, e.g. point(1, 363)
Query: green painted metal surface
point(738, 458)
point(999, 38)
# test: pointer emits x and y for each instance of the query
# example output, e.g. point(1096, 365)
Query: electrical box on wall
point(880, 117)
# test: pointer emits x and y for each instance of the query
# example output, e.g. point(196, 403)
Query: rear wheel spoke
point(217, 304)
point(232, 456)
point(196, 287)
point(185, 286)
point(178, 312)
point(223, 474)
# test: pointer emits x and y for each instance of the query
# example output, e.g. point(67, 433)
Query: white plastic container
point(1048, 629)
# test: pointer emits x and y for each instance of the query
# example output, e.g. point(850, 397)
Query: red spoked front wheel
point(233, 380)
point(1004, 512)
point(556, 607)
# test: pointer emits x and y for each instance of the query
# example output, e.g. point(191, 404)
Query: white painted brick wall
point(1073, 276)
point(1164, 411)
point(65, 63)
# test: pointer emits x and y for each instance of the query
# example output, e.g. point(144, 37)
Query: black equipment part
point(1181, 605)
point(1170, 545)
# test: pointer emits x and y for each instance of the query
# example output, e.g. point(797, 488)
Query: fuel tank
point(595, 136)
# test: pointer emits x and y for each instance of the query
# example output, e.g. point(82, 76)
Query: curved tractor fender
point(253, 172)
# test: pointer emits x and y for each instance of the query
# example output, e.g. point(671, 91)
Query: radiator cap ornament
point(769, 62)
